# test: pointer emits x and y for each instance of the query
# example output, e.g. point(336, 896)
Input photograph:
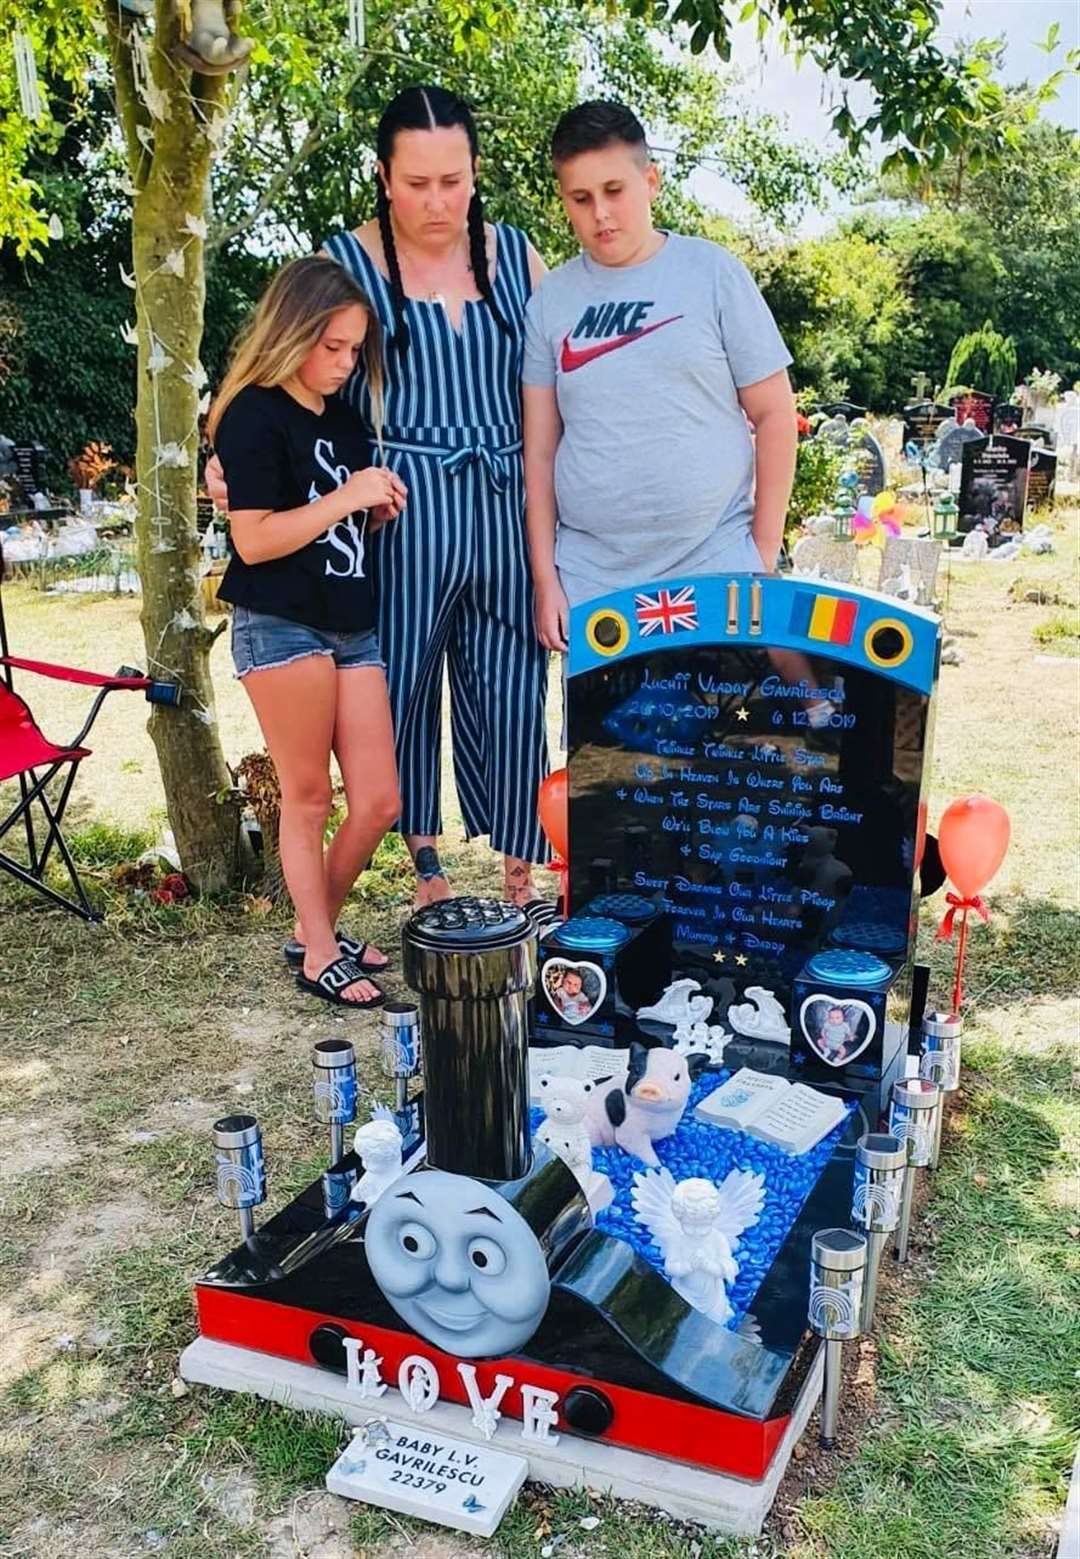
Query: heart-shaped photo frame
point(837, 1040)
point(574, 991)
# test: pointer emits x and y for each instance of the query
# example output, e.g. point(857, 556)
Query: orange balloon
point(973, 836)
point(553, 806)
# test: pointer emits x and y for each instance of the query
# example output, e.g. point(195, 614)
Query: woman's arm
point(543, 430)
point(770, 406)
point(262, 535)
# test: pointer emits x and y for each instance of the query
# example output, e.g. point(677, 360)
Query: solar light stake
point(939, 1062)
point(241, 1169)
point(334, 1061)
point(837, 1265)
point(880, 1165)
point(400, 1039)
point(913, 1118)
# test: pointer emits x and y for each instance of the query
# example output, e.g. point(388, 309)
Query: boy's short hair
point(591, 126)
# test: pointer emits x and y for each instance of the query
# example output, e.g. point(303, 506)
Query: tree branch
point(130, 111)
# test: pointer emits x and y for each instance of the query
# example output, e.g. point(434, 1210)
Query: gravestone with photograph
point(993, 487)
point(1042, 478)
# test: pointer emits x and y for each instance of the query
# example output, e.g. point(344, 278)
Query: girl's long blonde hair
point(288, 322)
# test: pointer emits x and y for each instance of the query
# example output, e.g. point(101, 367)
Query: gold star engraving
point(718, 956)
point(742, 960)
point(742, 714)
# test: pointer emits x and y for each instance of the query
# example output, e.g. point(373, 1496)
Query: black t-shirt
point(279, 455)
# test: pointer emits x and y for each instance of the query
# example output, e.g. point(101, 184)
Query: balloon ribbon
point(945, 931)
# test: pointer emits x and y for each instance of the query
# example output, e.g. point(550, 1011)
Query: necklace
point(433, 290)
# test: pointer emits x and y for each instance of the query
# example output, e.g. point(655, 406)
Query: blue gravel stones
point(696, 1148)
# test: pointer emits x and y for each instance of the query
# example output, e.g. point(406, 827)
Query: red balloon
point(973, 836)
point(553, 806)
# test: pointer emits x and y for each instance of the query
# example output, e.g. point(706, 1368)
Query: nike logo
point(572, 357)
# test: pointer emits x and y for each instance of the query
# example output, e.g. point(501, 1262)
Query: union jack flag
point(667, 611)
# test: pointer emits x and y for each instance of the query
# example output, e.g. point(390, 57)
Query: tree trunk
point(169, 208)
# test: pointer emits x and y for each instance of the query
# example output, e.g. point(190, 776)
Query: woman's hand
point(552, 615)
point(375, 488)
point(214, 476)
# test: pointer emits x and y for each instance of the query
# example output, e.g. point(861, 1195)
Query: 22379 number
point(416, 1480)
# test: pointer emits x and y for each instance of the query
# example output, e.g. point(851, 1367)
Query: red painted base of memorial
point(660, 1426)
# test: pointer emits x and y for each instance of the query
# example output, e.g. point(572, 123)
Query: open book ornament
point(792, 1116)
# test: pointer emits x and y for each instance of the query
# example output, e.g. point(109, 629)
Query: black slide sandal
point(337, 977)
point(293, 953)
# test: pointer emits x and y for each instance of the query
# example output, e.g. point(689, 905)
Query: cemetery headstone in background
point(1007, 417)
point(1038, 433)
point(826, 558)
point(952, 441)
point(909, 569)
point(922, 421)
point(993, 487)
point(836, 431)
point(978, 406)
point(1042, 477)
point(846, 409)
point(868, 459)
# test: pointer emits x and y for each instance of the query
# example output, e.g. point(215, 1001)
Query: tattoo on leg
point(427, 863)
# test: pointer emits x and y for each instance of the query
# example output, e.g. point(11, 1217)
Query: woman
point(451, 292)
point(304, 496)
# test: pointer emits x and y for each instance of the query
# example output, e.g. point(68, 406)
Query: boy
point(641, 357)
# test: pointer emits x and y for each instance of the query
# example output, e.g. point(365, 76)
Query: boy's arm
point(543, 429)
point(770, 407)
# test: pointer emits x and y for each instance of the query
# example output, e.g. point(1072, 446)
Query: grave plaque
point(1042, 476)
point(952, 443)
point(978, 406)
point(418, 1471)
point(768, 744)
point(835, 430)
point(993, 487)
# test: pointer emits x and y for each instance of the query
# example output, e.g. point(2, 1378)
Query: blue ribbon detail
point(454, 461)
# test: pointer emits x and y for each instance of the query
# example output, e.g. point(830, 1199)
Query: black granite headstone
point(1042, 477)
point(993, 487)
point(1008, 417)
point(846, 409)
point(952, 443)
point(922, 419)
point(1038, 433)
point(868, 459)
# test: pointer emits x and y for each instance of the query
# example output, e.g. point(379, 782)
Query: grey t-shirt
point(654, 470)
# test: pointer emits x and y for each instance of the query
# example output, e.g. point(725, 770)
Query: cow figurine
point(650, 1105)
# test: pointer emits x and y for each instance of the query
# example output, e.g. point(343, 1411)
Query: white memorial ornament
point(377, 1145)
point(761, 1016)
point(696, 1225)
point(681, 1004)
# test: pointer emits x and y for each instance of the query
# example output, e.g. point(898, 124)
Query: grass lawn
point(119, 1044)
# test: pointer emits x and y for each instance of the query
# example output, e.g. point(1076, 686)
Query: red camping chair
point(28, 756)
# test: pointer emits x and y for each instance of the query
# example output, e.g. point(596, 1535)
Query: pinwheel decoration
point(876, 519)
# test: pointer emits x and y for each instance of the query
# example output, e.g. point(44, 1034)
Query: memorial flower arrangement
point(88, 467)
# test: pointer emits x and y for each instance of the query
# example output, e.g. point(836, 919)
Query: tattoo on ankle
point(427, 863)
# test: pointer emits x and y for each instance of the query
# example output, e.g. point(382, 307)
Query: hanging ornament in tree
point(357, 25)
point(26, 75)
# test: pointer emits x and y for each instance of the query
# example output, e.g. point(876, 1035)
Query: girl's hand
point(214, 476)
point(374, 488)
point(552, 615)
point(382, 514)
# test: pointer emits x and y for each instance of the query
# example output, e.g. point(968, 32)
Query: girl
point(298, 469)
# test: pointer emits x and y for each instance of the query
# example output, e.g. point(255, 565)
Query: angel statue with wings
point(696, 1225)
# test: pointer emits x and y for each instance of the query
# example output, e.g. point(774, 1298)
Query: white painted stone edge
point(717, 1500)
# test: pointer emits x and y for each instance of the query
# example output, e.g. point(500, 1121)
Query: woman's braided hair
point(429, 108)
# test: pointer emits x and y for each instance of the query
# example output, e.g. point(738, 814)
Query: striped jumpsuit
point(452, 572)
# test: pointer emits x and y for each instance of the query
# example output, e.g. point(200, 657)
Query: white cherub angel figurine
point(696, 1039)
point(696, 1224)
point(377, 1145)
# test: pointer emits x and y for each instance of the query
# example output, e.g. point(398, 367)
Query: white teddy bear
point(564, 1101)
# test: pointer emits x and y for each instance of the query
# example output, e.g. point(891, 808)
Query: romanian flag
point(823, 617)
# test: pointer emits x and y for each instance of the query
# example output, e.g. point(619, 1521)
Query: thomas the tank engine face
point(458, 1264)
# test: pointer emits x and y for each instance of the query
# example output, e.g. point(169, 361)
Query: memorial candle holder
point(837, 1268)
point(939, 1062)
point(913, 1113)
point(334, 1063)
point(880, 1164)
point(241, 1169)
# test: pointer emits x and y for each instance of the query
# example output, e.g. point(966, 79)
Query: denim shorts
point(261, 642)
